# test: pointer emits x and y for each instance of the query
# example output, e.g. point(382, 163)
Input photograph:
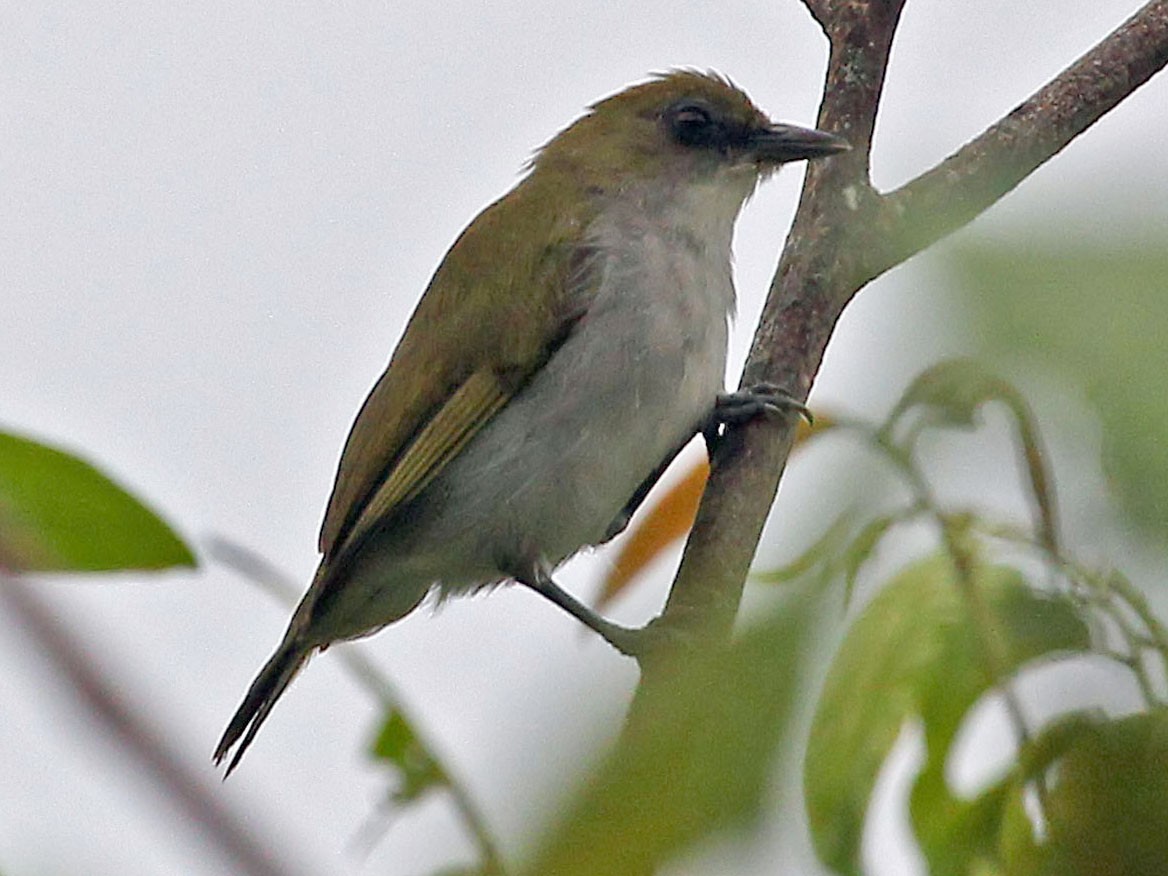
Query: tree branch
point(150, 753)
point(965, 184)
point(845, 234)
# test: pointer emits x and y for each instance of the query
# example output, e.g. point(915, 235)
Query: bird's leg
point(626, 514)
point(760, 400)
point(730, 409)
point(629, 642)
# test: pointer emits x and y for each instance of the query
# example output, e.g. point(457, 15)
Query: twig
point(844, 234)
point(163, 765)
point(964, 185)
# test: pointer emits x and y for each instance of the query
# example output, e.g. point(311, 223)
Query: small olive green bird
point(572, 341)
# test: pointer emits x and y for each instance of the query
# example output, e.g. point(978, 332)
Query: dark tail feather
point(277, 673)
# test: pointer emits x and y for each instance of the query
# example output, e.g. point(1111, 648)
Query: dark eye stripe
point(698, 125)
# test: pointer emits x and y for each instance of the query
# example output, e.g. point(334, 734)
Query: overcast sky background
point(215, 220)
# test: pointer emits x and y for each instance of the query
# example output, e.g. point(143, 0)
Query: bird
point(572, 340)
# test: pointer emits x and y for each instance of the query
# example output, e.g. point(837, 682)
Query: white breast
point(635, 380)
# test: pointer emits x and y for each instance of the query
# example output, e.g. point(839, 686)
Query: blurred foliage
point(694, 762)
point(418, 771)
point(1105, 807)
point(60, 514)
point(398, 744)
point(915, 654)
point(946, 631)
point(1096, 314)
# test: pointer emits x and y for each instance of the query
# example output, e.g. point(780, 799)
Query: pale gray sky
point(216, 219)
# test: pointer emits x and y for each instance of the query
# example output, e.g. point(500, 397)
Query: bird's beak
point(779, 144)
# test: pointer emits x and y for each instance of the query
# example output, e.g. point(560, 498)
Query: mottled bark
point(845, 234)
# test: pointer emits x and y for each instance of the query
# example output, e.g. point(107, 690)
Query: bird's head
point(679, 127)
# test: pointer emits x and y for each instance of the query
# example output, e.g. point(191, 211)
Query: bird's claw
point(762, 399)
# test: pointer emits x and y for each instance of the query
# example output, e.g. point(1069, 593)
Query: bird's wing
point(489, 323)
point(471, 405)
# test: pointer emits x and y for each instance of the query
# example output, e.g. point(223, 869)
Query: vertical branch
point(815, 280)
point(221, 828)
point(846, 233)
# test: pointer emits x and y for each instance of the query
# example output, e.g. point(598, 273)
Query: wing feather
point(485, 324)
point(472, 404)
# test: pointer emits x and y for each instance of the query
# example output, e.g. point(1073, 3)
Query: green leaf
point(862, 547)
point(819, 553)
point(1094, 314)
point(60, 514)
point(915, 653)
point(398, 745)
point(696, 760)
point(1030, 625)
point(950, 393)
point(1107, 809)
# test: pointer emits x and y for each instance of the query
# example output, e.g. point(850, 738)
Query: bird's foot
point(636, 642)
point(736, 408)
point(762, 399)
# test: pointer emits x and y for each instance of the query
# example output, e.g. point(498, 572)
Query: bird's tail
point(277, 673)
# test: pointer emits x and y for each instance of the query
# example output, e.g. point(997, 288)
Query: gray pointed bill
point(782, 143)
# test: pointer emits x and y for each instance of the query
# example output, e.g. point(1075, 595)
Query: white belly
point(548, 475)
point(633, 382)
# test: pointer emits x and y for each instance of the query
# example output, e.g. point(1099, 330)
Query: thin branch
point(976, 176)
point(844, 234)
point(801, 310)
point(151, 754)
point(995, 653)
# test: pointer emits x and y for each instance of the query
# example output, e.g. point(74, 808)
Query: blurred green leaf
point(1107, 809)
point(696, 760)
point(60, 514)
point(1030, 624)
point(861, 548)
point(915, 652)
point(1096, 314)
point(419, 771)
point(819, 554)
point(398, 744)
point(950, 393)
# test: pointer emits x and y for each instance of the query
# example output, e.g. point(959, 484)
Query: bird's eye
point(689, 114)
point(693, 124)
